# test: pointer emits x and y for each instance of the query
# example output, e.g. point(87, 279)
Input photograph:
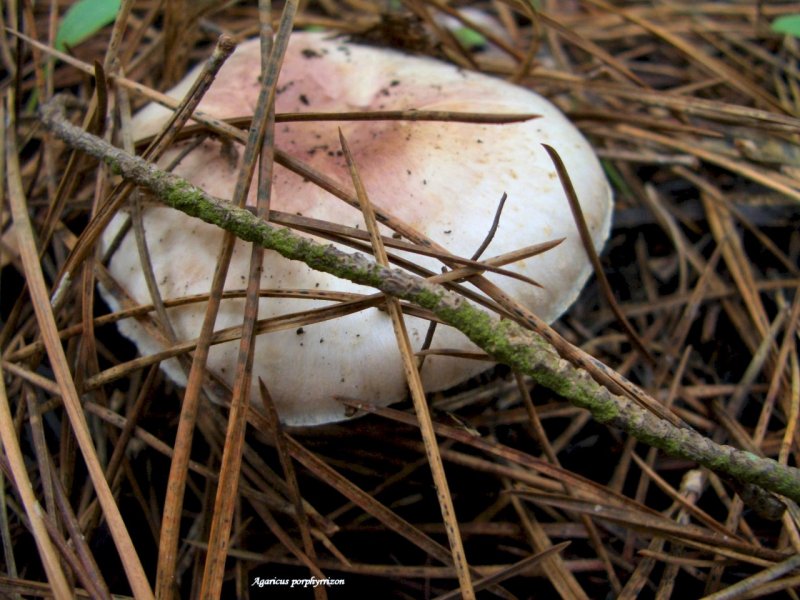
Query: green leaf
point(787, 24)
point(83, 19)
point(469, 38)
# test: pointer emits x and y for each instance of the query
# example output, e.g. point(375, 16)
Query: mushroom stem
point(505, 340)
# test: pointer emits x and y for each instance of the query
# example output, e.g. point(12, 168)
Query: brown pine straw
point(415, 386)
point(261, 135)
point(694, 111)
point(38, 290)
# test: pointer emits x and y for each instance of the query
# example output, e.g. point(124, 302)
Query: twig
point(505, 340)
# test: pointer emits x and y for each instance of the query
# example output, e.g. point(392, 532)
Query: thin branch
point(505, 340)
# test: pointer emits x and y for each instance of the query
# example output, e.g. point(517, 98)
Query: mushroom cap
point(444, 179)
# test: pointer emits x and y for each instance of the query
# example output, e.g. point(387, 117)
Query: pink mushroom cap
point(444, 179)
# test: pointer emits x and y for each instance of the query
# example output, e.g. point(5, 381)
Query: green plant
point(83, 19)
point(787, 24)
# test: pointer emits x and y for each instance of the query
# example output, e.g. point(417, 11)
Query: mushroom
point(443, 178)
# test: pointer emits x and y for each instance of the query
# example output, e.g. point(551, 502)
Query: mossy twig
point(506, 341)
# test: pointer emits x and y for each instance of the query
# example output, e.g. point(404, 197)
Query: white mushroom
point(445, 179)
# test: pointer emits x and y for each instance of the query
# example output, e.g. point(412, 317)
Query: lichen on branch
point(504, 340)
